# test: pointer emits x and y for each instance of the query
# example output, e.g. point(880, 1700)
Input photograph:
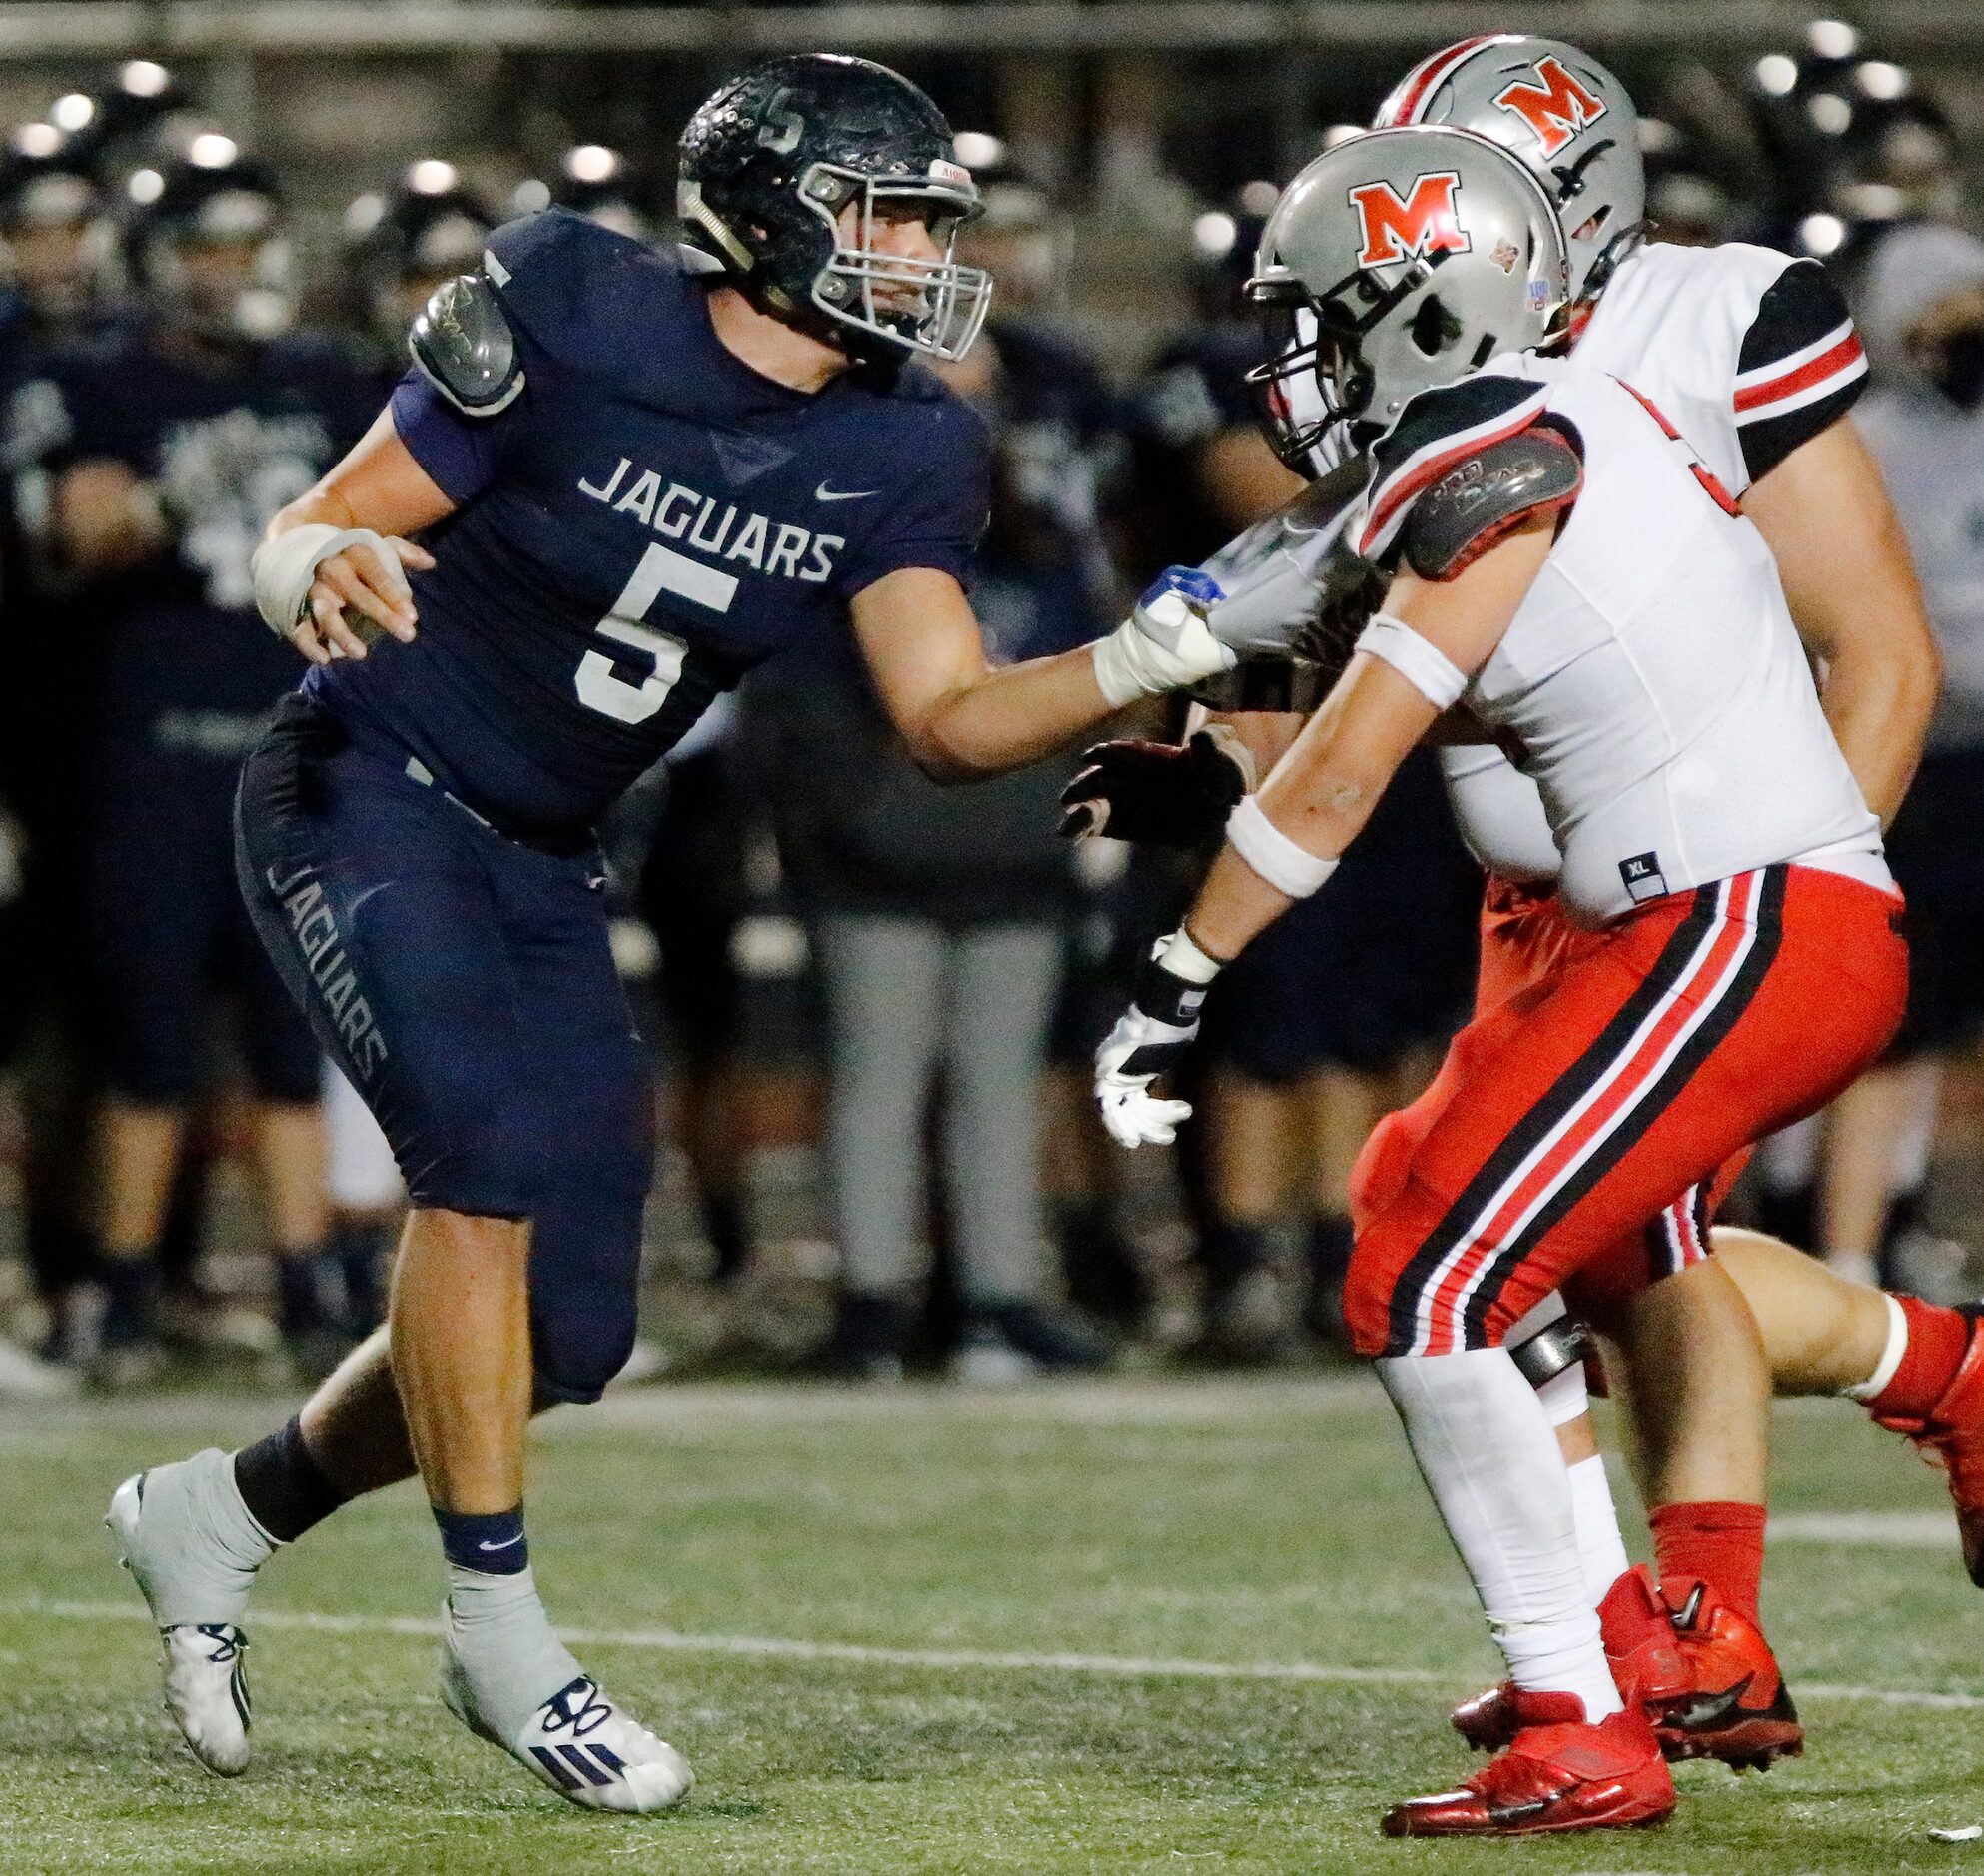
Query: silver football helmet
point(1559, 110)
point(1398, 261)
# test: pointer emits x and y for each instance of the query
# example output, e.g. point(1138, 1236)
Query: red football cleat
point(1952, 1436)
point(1738, 1709)
point(1646, 1661)
point(1559, 1774)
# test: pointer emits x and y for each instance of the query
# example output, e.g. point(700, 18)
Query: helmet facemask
point(1316, 379)
point(930, 305)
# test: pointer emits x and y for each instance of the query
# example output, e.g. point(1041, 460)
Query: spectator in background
point(399, 248)
point(694, 891)
point(1198, 473)
point(1060, 444)
point(937, 917)
point(1922, 313)
point(181, 440)
point(52, 229)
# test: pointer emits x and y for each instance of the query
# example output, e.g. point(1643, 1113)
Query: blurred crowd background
point(871, 1001)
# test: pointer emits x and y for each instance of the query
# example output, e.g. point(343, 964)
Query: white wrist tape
point(285, 565)
point(1183, 959)
point(1418, 660)
point(1285, 865)
point(1159, 647)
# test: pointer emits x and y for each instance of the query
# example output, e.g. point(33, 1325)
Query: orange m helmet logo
point(1426, 222)
point(1556, 108)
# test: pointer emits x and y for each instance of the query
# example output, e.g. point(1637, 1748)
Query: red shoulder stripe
point(1829, 364)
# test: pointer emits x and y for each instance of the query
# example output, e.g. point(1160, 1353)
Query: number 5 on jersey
point(661, 570)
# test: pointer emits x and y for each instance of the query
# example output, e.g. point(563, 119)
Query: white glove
point(1149, 1038)
point(1164, 643)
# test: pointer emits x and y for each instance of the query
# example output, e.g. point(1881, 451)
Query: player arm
point(1317, 801)
point(380, 493)
point(1825, 514)
point(961, 718)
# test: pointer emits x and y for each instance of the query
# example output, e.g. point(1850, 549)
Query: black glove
point(1157, 793)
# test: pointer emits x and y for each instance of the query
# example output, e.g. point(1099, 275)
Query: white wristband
point(285, 565)
point(1418, 660)
point(1285, 865)
point(1183, 959)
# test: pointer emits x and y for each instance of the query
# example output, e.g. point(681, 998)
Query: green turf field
point(1141, 1627)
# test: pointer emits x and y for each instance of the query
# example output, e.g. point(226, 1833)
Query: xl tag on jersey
point(1643, 878)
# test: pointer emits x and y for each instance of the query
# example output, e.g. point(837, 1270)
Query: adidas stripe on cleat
point(583, 1746)
point(206, 1691)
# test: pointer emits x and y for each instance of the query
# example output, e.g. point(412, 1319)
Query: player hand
point(1157, 793)
point(1164, 643)
point(1149, 1040)
point(358, 589)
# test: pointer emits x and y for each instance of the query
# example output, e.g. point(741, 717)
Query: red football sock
point(1937, 1340)
point(1719, 1543)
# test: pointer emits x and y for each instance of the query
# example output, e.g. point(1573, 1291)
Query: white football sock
point(197, 1546)
point(502, 1638)
point(1490, 1457)
point(1896, 1348)
point(1566, 1400)
point(1600, 1547)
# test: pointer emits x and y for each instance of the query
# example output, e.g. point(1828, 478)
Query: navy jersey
point(225, 436)
point(645, 522)
point(1194, 391)
point(1056, 444)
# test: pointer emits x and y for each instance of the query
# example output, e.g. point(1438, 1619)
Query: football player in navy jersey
point(182, 436)
point(51, 223)
point(400, 248)
point(637, 475)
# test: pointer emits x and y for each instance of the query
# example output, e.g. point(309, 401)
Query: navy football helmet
point(401, 247)
point(208, 242)
point(771, 164)
point(51, 221)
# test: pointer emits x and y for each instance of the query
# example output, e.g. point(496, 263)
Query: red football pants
point(1570, 1114)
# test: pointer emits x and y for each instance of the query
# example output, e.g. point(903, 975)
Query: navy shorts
point(168, 928)
point(466, 985)
point(1380, 962)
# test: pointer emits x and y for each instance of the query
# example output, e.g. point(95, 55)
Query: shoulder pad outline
point(465, 349)
point(1538, 470)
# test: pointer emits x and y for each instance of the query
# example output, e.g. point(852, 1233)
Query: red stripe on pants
point(1824, 1009)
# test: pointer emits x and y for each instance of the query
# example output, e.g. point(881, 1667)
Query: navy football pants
point(466, 986)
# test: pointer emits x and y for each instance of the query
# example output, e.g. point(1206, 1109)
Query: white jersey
point(1746, 354)
point(1651, 677)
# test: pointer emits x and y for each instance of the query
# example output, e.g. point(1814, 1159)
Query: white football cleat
point(206, 1691)
point(583, 1746)
point(186, 1578)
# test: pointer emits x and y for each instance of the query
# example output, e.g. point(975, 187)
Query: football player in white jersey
point(1566, 569)
point(1757, 354)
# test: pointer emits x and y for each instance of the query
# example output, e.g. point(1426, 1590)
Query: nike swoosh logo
point(825, 494)
point(509, 1543)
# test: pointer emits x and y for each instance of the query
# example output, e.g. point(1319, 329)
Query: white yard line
point(788, 1649)
point(1891, 1530)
